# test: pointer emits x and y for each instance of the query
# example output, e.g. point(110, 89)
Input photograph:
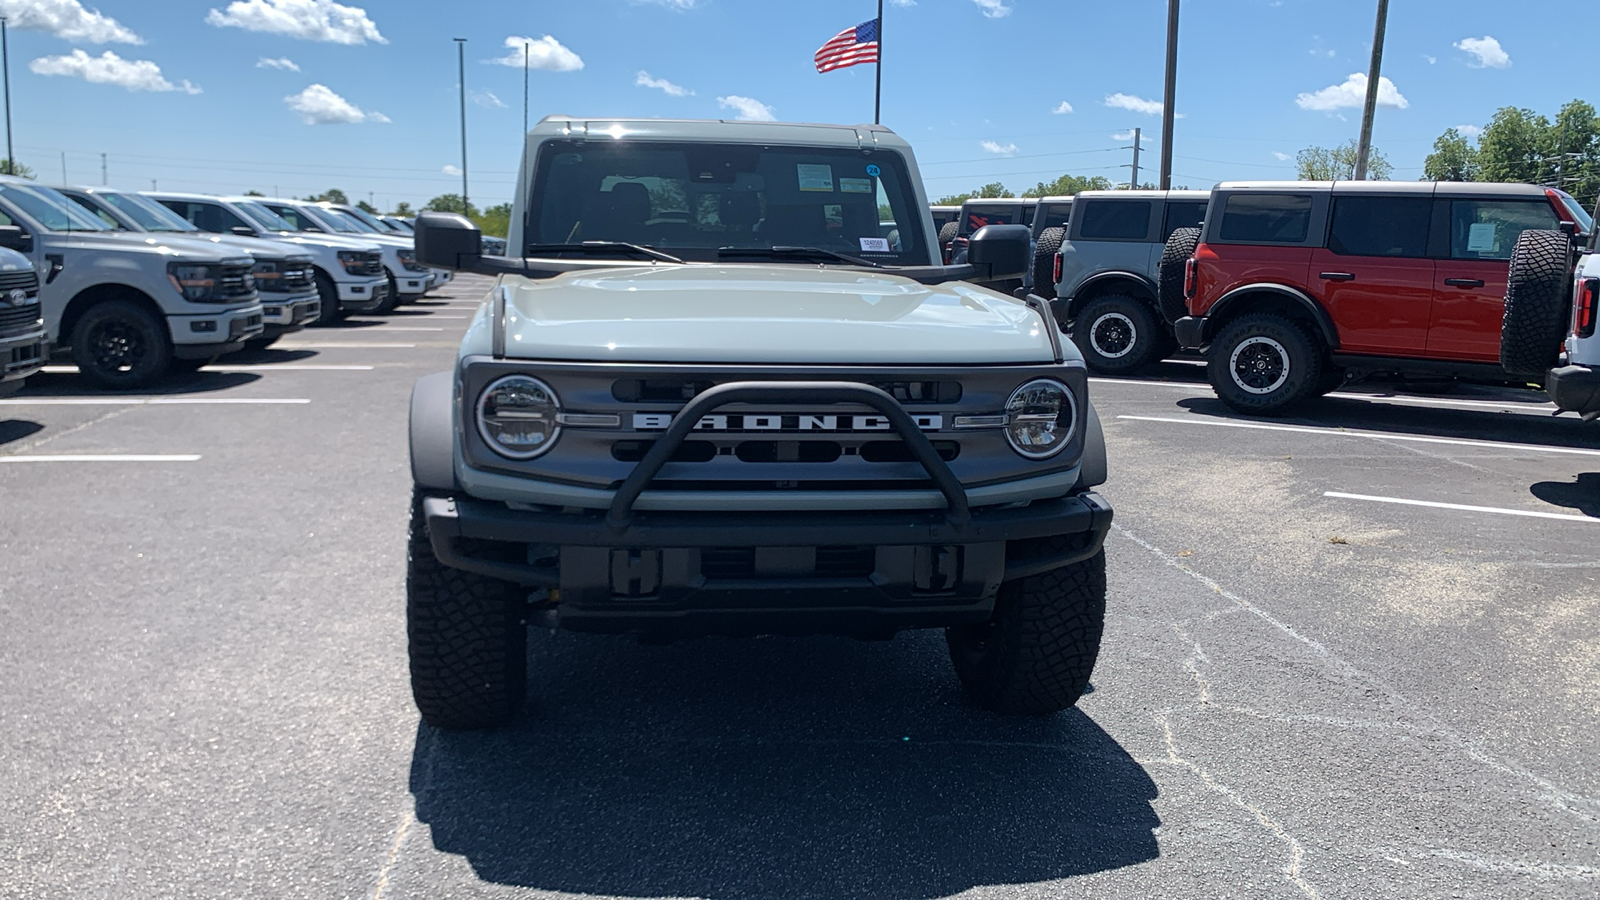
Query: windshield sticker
point(855, 185)
point(1481, 238)
point(875, 245)
point(815, 177)
point(873, 170)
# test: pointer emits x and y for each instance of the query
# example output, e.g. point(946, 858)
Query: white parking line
point(103, 457)
point(344, 346)
point(1462, 507)
point(1346, 395)
point(388, 328)
point(1373, 435)
point(1186, 385)
point(291, 367)
point(151, 401)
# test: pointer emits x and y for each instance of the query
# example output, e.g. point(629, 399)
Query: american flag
point(850, 47)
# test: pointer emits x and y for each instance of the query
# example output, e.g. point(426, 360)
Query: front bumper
point(366, 294)
point(288, 315)
point(1575, 389)
point(21, 355)
point(410, 284)
point(858, 572)
point(213, 334)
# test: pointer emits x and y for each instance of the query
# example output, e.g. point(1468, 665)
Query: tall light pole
point(527, 49)
point(1169, 95)
point(1364, 146)
point(5, 64)
point(461, 65)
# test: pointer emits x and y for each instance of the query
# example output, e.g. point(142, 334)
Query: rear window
point(1266, 218)
point(1115, 220)
point(1488, 229)
point(1055, 215)
point(1380, 226)
point(977, 218)
point(1187, 214)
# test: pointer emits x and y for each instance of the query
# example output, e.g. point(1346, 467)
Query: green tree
point(403, 211)
point(12, 167)
point(991, 191)
point(1453, 159)
point(1514, 146)
point(366, 207)
point(450, 203)
point(331, 196)
point(1339, 163)
point(496, 220)
point(254, 193)
point(1068, 185)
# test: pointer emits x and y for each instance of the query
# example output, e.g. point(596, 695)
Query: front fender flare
point(1092, 468)
point(1222, 309)
point(433, 432)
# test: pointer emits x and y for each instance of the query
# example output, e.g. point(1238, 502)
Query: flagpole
point(877, 93)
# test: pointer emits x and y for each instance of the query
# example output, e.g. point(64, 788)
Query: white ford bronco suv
point(128, 307)
point(705, 396)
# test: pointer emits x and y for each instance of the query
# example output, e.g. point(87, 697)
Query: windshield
point(51, 209)
point(263, 217)
point(324, 219)
point(372, 222)
point(691, 199)
point(347, 218)
point(399, 226)
point(146, 213)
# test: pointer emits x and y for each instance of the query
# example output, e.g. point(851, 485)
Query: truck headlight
point(517, 416)
point(197, 283)
point(1040, 417)
point(408, 259)
point(354, 261)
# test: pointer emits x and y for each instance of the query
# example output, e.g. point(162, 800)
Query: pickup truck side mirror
point(243, 231)
point(12, 237)
point(448, 241)
point(999, 252)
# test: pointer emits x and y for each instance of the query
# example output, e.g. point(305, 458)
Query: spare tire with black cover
point(1174, 258)
point(1044, 261)
point(1538, 303)
point(946, 235)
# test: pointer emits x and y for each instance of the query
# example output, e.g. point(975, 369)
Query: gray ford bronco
point(705, 396)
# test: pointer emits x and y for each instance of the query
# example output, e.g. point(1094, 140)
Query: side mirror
point(312, 228)
point(13, 238)
point(243, 231)
point(448, 241)
point(999, 252)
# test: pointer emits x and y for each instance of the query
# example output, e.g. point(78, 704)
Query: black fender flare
point(1099, 278)
point(433, 432)
point(1092, 466)
point(1225, 304)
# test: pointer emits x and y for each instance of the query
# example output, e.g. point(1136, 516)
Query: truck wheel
point(1035, 654)
point(1044, 262)
point(467, 639)
point(330, 312)
point(118, 344)
point(1117, 334)
point(1174, 259)
point(946, 235)
point(1263, 364)
point(1538, 298)
point(392, 301)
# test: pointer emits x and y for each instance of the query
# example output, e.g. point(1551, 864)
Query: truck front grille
point(236, 283)
point(371, 265)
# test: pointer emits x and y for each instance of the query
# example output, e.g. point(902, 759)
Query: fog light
point(203, 326)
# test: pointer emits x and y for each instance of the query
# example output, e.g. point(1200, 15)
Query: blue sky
point(302, 95)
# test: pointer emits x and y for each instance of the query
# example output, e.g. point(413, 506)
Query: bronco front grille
point(18, 319)
point(27, 281)
point(675, 390)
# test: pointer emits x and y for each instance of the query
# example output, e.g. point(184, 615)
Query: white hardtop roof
point(1144, 195)
point(1000, 201)
point(717, 131)
point(1425, 188)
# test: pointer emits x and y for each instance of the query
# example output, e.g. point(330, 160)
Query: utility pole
point(1364, 146)
point(103, 179)
point(153, 185)
point(461, 65)
point(63, 167)
point(1169, 96)
point(1133, 181)
point(5, 64)
point(526, 50)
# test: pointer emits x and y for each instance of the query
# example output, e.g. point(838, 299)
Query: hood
point(763, 314)
point(310, 239)
point(256, 247)
point(174, 246)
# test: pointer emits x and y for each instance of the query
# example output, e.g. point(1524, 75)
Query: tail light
point(1056, 268)
point(1583, 316)
point(1191, 278)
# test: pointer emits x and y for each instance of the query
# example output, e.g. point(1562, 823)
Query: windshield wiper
point(602, 247)
point(814, 253)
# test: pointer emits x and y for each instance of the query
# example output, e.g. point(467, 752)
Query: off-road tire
point(1174, 259)
point(1118, 334)
point(1035, 654)
point(330, 313)
point(119, 344)
point(467, 639)
point(1288, 370)
point(1044, 261)
point(1538, 303)
point(946, 235)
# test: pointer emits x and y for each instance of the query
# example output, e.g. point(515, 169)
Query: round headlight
point(517, 416)
point(1040, 417)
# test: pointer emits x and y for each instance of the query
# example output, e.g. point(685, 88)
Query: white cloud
point(1431, 59)
point(679, 5)
point(1485, 51)
point(1135, 104)
point(663, 85)
point(1280, 156)
point(1063, 109)
point(993, 9)
point(1469, 131)
point(1006, 149)
point(67, 19)
point(1352, 94)
point(486, 99)
point(451, 170)
point(902, 2)
point(317, 105)
point(545, 54)
point(747, 109)
point(109, 68)
point(282, 62)
point(308, 20)
point(1122, 135)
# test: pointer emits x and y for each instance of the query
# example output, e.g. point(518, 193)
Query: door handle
point(1337, 276)
point(1464, 282)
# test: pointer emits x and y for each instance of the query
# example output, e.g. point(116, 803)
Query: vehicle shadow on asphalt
point(1582, 494)
point(61, 384)
point(266, 356)
point(16, 429)
point(776, 768)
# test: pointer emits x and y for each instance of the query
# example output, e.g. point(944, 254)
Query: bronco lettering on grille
point(784, 422)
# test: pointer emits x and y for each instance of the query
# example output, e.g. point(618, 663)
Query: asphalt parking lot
point(1353, 653)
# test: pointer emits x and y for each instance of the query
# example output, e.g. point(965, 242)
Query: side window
point(5, 218)
point(1488, 229)
point(977, 218)
point(226, 220)
point(1266, 218)
point(1183, 214)
point(97, 212)
point(1116, 220)
point(1056, 216)
point(1380, 226)
point(293, 217)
